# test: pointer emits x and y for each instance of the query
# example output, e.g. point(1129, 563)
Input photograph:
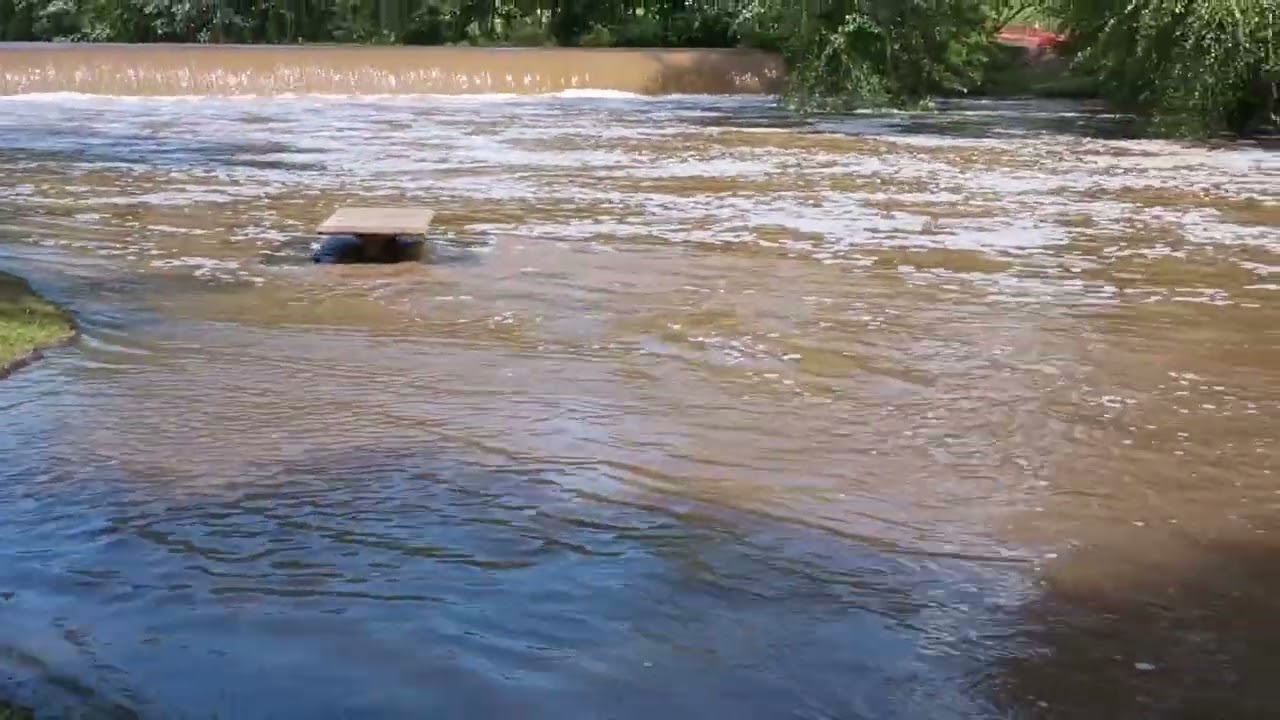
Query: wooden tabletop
point(377, 221)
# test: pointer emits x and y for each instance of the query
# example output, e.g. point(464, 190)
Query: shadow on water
point(136, 147)
point(57, 695)
point(997, 118)
point(1193, 632)
point(390, 584)
point(989, 119)
point(955, 118)
point(347, 573)
point(951, 118)
point(440, 248)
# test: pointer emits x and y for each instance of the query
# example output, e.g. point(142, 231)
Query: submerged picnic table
point(373, 235)
point(377, 221)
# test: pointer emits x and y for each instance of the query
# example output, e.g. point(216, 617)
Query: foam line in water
point(62, 97)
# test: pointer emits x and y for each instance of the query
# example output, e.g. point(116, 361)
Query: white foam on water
point(400, 98)
point(204, 262)
point(601, 94)
point(605, 166)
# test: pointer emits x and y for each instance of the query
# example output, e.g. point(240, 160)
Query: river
point(700, 407)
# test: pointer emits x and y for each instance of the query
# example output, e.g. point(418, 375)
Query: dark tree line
point(1199, 65)
point(426, 22)
point(1189, 65)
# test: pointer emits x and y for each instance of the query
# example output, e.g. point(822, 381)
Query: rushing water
point(700, 410)
point(237, 70)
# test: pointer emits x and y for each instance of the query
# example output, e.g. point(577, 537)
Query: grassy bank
point(9, 711)
point(28, 324)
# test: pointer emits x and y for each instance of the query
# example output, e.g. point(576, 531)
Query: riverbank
point(9, 711)
point(29, 324)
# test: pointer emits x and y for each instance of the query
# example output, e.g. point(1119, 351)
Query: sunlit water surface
point(700, 411)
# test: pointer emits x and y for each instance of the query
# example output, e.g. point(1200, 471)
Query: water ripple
point(697, 405)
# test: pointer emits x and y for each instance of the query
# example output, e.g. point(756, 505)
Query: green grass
point(9, 711)
point(27, 323)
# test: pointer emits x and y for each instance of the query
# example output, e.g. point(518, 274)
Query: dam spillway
point(253, 70)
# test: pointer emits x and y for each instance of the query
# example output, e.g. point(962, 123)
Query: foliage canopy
point(1201, 66)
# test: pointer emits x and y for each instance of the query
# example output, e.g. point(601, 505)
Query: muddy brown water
point(159, 70)
point(699, 408)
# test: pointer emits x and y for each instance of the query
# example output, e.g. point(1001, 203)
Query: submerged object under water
point(373, 235)
point(341, 249)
